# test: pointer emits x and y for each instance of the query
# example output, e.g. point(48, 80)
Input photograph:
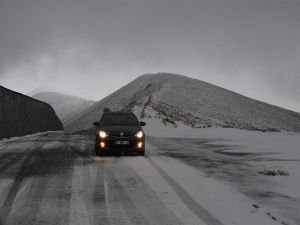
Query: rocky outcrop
point(22, 115)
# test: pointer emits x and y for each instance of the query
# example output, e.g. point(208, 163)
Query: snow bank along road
point(54, 178)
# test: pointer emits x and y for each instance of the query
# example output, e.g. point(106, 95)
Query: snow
point(219, 167)
point(30, 136)
point(162, 187)
point(193, 102)
point(220, 200)
point(253, 151)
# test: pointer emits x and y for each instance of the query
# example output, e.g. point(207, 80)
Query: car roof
point(118, 113)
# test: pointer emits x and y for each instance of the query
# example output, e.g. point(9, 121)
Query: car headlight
point(139, 134)
point(102, 134)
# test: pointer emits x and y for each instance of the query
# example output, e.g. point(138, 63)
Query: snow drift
point(21, 115)
point(195, 103)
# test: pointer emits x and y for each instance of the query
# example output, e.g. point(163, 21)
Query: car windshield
point(119, 120)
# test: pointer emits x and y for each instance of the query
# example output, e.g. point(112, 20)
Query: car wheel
point(117, 153)
point(97, 153)
point(102, 153)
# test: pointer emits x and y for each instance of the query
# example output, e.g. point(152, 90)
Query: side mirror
point(96, 124)
point(142, 123)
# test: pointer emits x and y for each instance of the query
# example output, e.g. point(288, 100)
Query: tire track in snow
point(28, 202)
point(164, 191)
point(11, 161)
point(99, 204)
point(16, 206)
point(137, 196)
point(21, 174)
point(45, 197)
point(12, 172)
point(86, 202)
point(30, 199)
point(89, 177)
point(10, 158)
point(120, 201)
point(80, 193)
point(186, 198)
point(55, 206)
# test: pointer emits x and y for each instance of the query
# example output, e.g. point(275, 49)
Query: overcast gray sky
point(90, 48)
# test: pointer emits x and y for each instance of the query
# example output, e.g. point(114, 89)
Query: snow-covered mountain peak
point(192, 102)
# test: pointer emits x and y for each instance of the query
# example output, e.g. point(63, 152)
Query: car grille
point(119, 136)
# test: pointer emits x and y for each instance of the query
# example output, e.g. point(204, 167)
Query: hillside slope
point(193, 102)
point(21, 115)
point(66, 106)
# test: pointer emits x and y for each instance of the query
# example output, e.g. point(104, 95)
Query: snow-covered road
point(54, 178)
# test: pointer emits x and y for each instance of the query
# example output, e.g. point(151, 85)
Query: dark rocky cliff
point(22, 115)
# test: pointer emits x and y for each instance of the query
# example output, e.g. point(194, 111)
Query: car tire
point(97, 153)
point(102, 153)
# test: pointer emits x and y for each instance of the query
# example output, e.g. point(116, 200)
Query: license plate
point(122, 142)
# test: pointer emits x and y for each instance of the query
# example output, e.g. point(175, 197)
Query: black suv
point(119, 131)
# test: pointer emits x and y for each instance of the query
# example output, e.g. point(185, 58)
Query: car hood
point(116, 130)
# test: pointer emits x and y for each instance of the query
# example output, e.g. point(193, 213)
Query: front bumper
point(133, 144)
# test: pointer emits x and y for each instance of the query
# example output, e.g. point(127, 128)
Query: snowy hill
point(41, 89)
point(174, 99)
point(21, 115)
point(65, 106)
